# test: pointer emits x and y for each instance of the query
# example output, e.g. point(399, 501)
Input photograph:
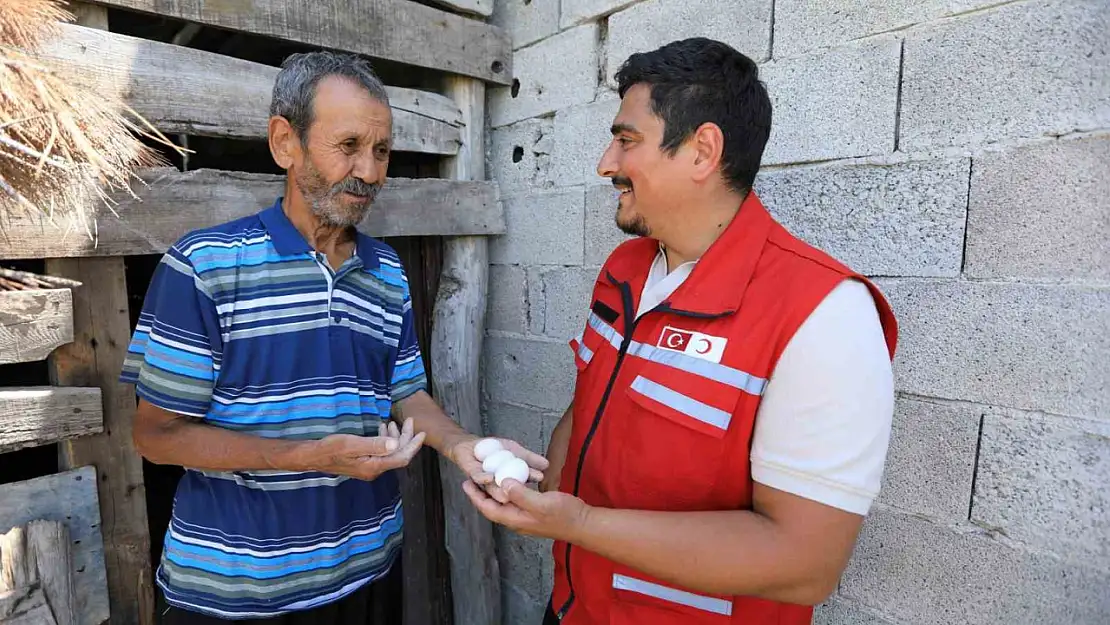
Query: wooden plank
point(397, 30)
point(42, 415)
point(173, 203)
point(483, 8)
point(68, 498)
point(102, 329)
point(34, 323)
point(184, 90)
point(25, 606)
point(456, 350)
point(37, 555)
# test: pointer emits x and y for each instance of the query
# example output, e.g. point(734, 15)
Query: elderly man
point(269, 356)
point(733, 406)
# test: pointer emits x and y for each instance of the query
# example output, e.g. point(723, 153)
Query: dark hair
point(698, 80)
point(295, 86)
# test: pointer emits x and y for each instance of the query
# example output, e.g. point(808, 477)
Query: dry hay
point(63, 148)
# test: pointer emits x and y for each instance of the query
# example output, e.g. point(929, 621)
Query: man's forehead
point(339, 98)
point(635, 113)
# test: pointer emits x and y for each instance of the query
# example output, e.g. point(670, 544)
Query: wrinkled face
point(647, 179)
point(343, 166)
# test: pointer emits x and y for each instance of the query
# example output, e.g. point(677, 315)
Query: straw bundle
point(61, 146)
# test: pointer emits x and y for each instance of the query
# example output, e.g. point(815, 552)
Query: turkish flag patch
point(695, 344)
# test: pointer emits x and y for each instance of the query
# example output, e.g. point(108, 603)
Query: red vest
point(660, 400)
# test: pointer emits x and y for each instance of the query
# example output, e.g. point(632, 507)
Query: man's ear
point(708, 143)
point(285, 145)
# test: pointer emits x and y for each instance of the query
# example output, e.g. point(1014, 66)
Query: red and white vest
point(659, 399)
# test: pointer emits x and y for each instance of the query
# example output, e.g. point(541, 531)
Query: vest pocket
point(674, 439)
point(638, 601)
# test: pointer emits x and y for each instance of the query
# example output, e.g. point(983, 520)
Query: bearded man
point(270, 355)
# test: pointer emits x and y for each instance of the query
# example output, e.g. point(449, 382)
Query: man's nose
point(607, 166)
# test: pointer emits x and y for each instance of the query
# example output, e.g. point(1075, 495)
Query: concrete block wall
point(957, 151)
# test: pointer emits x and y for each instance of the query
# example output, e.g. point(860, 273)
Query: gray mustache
point(357, 187)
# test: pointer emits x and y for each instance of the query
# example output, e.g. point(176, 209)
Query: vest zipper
point(629, 314)
point(626, 304)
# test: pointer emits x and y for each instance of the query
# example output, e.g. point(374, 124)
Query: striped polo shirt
point(246, 327)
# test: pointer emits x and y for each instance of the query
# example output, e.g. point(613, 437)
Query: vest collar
point(718, 282)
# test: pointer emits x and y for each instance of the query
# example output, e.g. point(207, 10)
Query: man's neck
point(693, 237)
point(336, 242)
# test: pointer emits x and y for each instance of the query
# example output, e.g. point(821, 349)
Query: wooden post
point(456, 346)
point(102, 331)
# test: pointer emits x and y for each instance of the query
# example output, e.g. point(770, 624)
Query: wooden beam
point(34, 323)
point(47, 414)
point(396, 30)
point(69, 498)
point(459, 328)
point(483, 8)
point(102, 328)
point(184, 90)
point(173, 203)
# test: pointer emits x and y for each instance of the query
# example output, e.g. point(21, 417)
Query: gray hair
point(295, 86)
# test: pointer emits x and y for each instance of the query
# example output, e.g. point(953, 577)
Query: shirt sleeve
point(408, 371)
point(823, 426)
point(174, 355)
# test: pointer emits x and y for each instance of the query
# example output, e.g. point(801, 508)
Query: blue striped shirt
point(246, 327)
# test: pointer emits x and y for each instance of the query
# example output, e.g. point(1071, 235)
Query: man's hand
point(366, 458)
point(550, 515)
point(462, 454)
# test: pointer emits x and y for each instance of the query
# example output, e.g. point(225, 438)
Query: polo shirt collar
point(288, 241)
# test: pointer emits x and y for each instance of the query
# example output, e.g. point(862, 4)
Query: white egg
point(515, 468)
point(486, 447)
point(496, 459)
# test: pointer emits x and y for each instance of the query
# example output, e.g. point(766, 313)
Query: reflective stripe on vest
point(700, 602)
point(705, 368)
point(677, 401)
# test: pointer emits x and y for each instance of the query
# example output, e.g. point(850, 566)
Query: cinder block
point(529, 372)
point(522, 560)
point(1024, 346)
point(920, 573)
point(581, 136)
point(802, 25)
point(1043, 481)
point(567, 293)
point(537, 300)
point(931, 462)
point(892, 220)
point(517, 605)
point(542, 227)
point(507, 308)
point(526, 22)
point(839, 103)
point(578, 11)
point(1021, 70)
point(519, 155)
point(602, 233)
point(555, 73)
point(1040, 212)
point(837, 611)
point(742, 24)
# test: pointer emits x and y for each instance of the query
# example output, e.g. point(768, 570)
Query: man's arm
point(786, 548)
point(442, 432)
point(557, 451)
point(456, 444)
point(165, 437)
